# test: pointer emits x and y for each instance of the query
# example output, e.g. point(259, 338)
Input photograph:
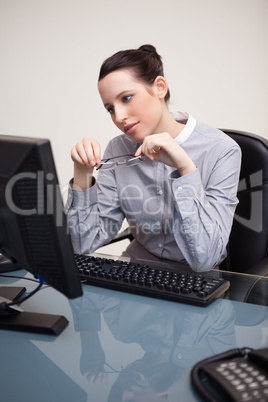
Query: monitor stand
point(7, 266)
point(15, 320)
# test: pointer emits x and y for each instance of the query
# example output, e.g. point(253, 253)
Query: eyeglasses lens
point(134, 161)
point(121, 160)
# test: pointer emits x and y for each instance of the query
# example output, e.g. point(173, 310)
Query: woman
point(179, 200)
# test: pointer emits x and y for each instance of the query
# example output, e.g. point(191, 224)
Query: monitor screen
point(33, 228)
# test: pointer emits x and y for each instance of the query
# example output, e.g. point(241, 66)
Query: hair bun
point(150, 49)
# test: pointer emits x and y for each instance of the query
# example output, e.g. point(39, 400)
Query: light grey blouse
point(171, 217)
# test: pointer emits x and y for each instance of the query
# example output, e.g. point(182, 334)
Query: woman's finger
point(87, 152)
point(96, 150)
point(76, 157)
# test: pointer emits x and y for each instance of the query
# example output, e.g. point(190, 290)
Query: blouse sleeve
point(94, 216)
point(203, 213)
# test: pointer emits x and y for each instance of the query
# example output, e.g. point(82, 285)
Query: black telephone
point(236, 375)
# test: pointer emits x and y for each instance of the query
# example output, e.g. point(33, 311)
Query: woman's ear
point(161, 86)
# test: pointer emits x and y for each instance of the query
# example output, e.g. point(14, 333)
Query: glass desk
point(122, 347)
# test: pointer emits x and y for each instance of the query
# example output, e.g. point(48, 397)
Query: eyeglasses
point(110, 163)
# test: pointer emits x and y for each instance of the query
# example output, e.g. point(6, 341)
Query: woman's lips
point(130, 128)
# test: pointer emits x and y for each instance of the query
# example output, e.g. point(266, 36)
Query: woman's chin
point(139, 138)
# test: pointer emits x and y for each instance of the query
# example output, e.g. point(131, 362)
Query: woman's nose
point(120, 114)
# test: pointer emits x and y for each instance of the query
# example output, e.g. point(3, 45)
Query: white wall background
point(214, 52)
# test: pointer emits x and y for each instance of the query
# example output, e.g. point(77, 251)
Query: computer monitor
point(33, 228)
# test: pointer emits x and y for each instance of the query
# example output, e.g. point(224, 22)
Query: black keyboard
point(152, 279)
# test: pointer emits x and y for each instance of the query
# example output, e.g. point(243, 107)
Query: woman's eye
point(127, 98)
point(110, 109)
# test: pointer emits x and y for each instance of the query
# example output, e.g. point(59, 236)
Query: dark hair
point(144, 61)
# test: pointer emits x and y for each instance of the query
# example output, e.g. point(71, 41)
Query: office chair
point(248, 242)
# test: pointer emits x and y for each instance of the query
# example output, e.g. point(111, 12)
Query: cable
point(19, 277)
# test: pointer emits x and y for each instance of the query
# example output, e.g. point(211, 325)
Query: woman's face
point(136, 109)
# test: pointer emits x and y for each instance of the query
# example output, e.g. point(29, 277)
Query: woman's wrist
point(83, 177)
point(184, 164)
point(188, 168)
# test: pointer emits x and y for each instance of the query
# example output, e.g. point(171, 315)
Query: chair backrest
point(248, 243)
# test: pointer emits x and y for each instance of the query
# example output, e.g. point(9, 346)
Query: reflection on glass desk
point(122, 347)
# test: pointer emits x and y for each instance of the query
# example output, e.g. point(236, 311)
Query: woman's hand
point(163, 148)
point(85, 155)
point(97, 376)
